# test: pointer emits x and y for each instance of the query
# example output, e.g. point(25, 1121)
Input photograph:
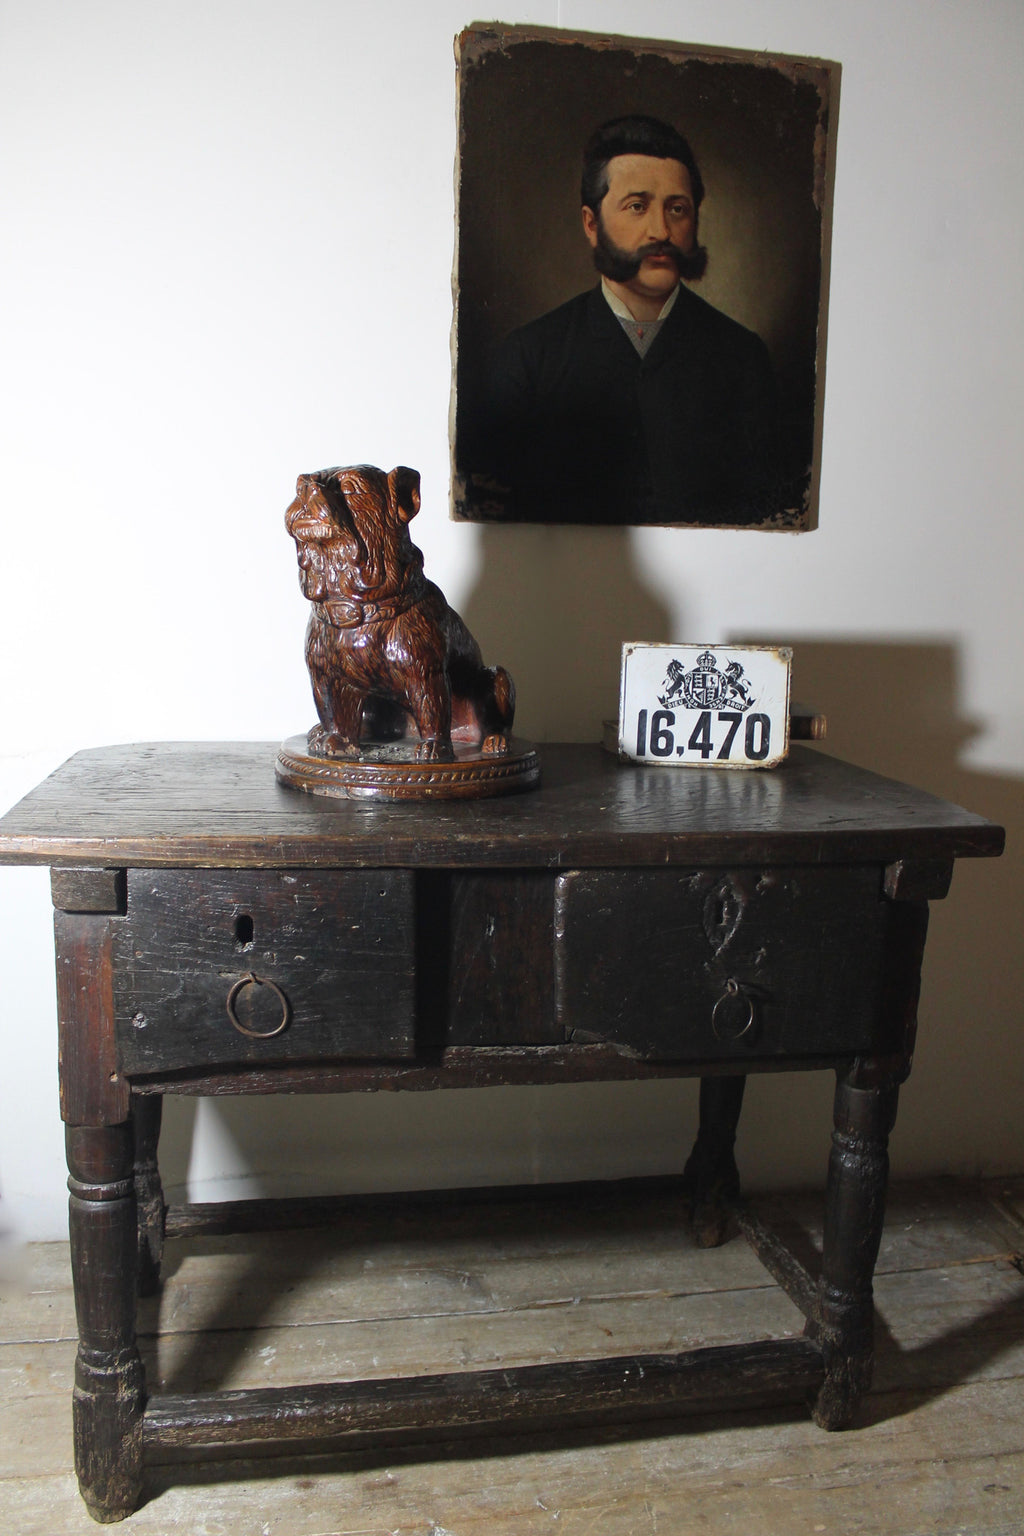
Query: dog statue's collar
point(350, 613)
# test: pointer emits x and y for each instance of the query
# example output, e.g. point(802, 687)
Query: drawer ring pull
point(733, 990)
point(251, 979)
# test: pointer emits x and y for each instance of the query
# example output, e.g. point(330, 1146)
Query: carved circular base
point(389, 771)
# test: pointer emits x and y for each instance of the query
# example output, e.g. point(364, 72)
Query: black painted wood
point(619, 923)
point(587, 1391)
point(146, 1116)
point(858, 1175)
point(109, 1382)
point(338, 947)
point(500, 968)
point(918, 879)
point(741, 963)
point(461, 1066)
point(711, 1178)
point(471, 1206)
point(784, 1267)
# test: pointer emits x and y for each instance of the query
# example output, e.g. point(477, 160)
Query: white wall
point(227, 243)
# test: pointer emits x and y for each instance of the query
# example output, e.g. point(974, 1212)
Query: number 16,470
point(717, 736)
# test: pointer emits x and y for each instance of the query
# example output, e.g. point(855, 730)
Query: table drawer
point(726, 963)
point(222, 967)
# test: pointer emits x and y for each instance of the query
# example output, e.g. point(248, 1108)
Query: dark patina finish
point(407, 708)
point(218, 934)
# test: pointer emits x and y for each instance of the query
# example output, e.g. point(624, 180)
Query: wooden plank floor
point(939, 1449)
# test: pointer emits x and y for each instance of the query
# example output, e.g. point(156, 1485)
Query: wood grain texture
point(435, 1406)
point(521, 919)
point(218, 805)
point(383, 647)
point(89, 890)
point(92, 1089)
point(460, 1066)
point(382, 772)
point(496, 984)
point(939, 1450)
point(647, 960)
point(146, 1116)
point(935, 1463)
point(109, 1380)
point(339, 948)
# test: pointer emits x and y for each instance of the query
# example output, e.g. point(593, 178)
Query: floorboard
point(939, 1449)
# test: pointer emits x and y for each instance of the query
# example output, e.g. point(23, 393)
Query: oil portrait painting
point(641, 282)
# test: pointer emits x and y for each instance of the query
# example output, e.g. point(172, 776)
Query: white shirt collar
point(617, 307)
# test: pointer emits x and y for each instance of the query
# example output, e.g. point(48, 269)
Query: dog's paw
point(434, 749)
point(496, 745)
point(341, 746)
point(322, 743)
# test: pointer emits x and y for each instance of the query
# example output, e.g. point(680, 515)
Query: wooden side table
point(219, 934)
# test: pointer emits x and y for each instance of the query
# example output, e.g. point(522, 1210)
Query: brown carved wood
point(390, 771)
point(387, 656)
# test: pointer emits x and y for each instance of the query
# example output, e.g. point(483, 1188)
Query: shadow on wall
point(896, 707)
point(891, 706)
point(583, 597)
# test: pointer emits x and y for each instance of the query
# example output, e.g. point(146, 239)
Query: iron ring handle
point(732, 991)
point(251, 979)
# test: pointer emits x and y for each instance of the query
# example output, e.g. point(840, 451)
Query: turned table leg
point(854, 1212)
point(109, 1391)
point(711, 1179)
point(147, 1112)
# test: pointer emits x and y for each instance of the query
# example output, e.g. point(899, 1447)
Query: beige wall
point(227, 254)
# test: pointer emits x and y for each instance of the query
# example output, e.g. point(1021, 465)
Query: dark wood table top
point(218, 805)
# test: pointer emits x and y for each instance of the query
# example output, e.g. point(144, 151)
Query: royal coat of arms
point(706, 685)
point(705, 707)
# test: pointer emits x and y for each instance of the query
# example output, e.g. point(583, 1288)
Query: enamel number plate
point(704, 706)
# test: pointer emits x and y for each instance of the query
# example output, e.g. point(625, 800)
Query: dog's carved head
point(324, 545)
point(371, 497)
point(350, 527)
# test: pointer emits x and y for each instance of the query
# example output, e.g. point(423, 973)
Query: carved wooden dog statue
point(383, 646)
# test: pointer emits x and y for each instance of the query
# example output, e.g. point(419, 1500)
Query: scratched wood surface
point(940, 1448)
point(217, 804)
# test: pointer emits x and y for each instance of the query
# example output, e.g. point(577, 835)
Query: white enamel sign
point(705, 706)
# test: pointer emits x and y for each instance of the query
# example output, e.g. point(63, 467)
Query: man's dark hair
point(633, 135)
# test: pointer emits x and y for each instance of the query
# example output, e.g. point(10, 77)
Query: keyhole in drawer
point(723, 912)
point(245, 930)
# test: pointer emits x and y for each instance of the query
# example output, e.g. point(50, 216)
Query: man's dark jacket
point(585, 430)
